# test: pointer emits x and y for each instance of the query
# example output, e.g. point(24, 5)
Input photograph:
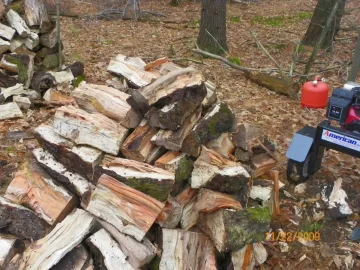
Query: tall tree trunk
point(318, 21)
point(212, 35)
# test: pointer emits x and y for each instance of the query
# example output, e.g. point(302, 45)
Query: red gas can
point(314, 94)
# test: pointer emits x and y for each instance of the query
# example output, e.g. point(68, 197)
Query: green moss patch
point(278, 21)
point(259, 214)
point(235, 19)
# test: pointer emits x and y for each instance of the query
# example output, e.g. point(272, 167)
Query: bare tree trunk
point(212, 35)
point(58, 32)
point(318, 21)
point(356, 61)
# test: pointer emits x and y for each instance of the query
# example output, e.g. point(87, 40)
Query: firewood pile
point(29, 54)
point(150, 171)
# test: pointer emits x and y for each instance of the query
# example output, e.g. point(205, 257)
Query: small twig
point(293, 62)
point(217, 42)
point(265, 51)
point(267, 150)
point(190, 60)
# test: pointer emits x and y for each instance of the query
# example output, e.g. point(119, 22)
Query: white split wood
point(90, 129)
point(18, 23)
point(22, 102)
point(78, 183)
point(16, 43)
point(32, 41)
point(61, 77)
point(138, 253)
point(6, 32)
point(48, 251)
point(4, 45)
point(112, 256)
point(17, 89)
point(9, 111)
point(8, 248)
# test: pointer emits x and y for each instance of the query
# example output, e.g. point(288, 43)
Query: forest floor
point(278, 24)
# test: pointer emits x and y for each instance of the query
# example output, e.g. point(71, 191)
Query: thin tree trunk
point(318, 21)
point(58, 33)
point(356, 61)
point(212, 35)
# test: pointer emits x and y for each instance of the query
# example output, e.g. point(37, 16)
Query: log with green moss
point(231, 230)
point(218, 120)
point(22, 65)
point(180, 164)
point(143, 177)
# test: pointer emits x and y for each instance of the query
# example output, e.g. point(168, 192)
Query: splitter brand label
point(341, 140)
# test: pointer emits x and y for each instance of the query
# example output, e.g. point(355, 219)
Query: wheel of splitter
point(298, 172)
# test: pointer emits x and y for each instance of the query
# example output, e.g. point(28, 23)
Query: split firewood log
point(180, 164)
point(57, 98)
point(92, 129)
point(198, 254)
point(132, 68)
point(215, 172)
point(218, 120)
point(32, 41)
point(223, 145)
point(9, 247)
point(7, 32)
point(263, 191)
point(107, 252)
point(16, 22)
point(74, 182)
point(156, 63)
point(130, 211)
point(49, 39)
point(45, 51)
point(148, 179)
point(48, 251)
point(190, 215)
point(167, 89)
point(138, 145)
point(231, 230)
point(245, 134)
point(155, 154)
point(249, 256)
point(262, 163)
point(4, 46)
point(7, 81)
point(34, 188)
point(108, 101)
point(209, 201)
point(170, 215)
point(138, 253)
point(17, 89)
point(42, 81)
point(20, 221)
point(242, 155)
point(77, 259)
point(78, 159)
point(77, 68)
point(173, 140)
point(10, 111)
point(36, 13)
point(172, 116)
point(211, 96)
point(23, 65)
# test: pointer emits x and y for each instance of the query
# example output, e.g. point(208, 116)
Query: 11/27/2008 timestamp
point(292, 236)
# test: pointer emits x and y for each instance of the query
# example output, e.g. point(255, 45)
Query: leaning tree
point(318, 21)
point(212, 35)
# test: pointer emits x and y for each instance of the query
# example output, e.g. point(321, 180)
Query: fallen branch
point(227, 62)
point(265, 51)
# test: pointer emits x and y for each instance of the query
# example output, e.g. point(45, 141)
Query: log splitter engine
point(307, 147)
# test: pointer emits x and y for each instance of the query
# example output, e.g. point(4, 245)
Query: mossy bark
point(220, 119)
point(182, 175)
point(212, 35)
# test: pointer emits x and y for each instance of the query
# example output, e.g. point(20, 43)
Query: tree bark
point(318, 21)
point(212, 35)
point(9, 247)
